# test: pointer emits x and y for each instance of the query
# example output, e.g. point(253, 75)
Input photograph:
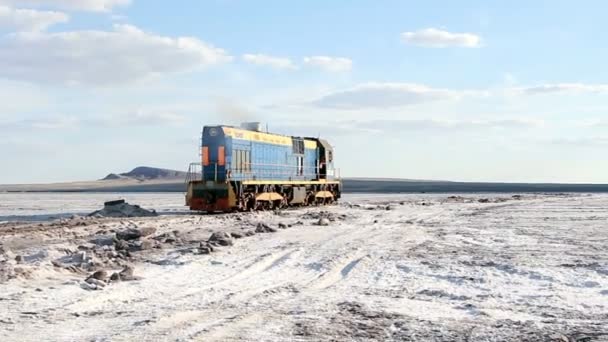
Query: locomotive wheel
point(277, 204)
point(311, 200)
point(250, 204)
point(260, 205)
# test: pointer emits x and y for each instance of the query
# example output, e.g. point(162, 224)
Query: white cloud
point(594, 141)
point(80, 5)
point(101, 57)
point(386, 95)
point(332, 64)
point(396, 126)
point(443, 124)
point(25, 148)
point(141, 118)
point(432, 37)
point(509, 79)
point(271, 61)
point(564, 88)
point(18, 98)
point(29, 20)
point(43, 123)
point(590, 123)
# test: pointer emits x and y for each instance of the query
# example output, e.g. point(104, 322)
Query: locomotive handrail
point(195, 172)
point(259, 171)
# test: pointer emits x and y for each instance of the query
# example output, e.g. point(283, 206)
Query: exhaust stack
point(252, 126)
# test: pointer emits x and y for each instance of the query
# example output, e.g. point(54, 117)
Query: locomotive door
point(322, 163)
point(298, 152)
point(325, 159)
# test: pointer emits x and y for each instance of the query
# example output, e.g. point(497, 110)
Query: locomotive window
point(242, 161)
point(242, 153)
point(300, 165)
point(237, 160)
point(298, 146)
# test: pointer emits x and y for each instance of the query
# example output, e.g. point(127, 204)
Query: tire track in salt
point(252, 281)
point(342, 265)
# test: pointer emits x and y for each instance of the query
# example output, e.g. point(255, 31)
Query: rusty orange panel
point(205, 156)
point(221, 156)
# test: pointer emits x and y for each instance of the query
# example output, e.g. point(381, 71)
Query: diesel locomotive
point(243, 168)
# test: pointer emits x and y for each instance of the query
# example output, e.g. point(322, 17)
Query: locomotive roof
point(281, 139)
point(240, 129)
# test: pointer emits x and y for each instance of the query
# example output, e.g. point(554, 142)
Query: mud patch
point(120, 208)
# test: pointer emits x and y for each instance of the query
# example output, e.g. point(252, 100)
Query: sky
point(509, 91)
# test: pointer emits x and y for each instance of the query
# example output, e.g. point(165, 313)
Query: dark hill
point(148, 173)
point(112, 176)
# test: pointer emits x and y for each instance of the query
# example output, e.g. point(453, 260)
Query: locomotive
point(243, 168)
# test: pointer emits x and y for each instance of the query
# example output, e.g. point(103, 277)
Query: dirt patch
point(120, 208)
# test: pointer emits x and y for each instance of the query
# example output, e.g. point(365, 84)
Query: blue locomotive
point(247, 169)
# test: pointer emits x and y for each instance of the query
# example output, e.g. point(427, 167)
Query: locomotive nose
point(210, 197)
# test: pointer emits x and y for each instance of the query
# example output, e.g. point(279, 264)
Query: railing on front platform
point(195, 172)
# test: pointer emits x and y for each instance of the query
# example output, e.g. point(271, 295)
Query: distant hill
point(143, 173)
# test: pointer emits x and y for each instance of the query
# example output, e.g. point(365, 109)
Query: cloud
point(385, 95)
point(319, 128)
point(44, 123)
point(123, 55)
point(271, 61)
point(509, 79)
point(140, 118)
point(574, 88)
point(435, 38)
point(136, 118)
point(331, 64)
point(393, 127)
point(29, 20)
point(79, 5)
point(443, 124)
point(596, 124)
point(25, 148)
point(581, 141)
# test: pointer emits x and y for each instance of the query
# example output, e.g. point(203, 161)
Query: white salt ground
point(532, 269)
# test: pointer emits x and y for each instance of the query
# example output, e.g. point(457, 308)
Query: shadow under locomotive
point(246, 169)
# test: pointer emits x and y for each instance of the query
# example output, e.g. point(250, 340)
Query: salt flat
point(393, 268)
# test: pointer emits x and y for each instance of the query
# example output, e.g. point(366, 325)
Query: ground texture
point(409, 268)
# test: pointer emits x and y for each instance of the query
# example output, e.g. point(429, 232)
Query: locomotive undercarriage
point(210, 196)
point(251, 197)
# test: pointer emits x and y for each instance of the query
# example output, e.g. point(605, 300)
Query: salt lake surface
point(385, 268)
point(47, 206)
